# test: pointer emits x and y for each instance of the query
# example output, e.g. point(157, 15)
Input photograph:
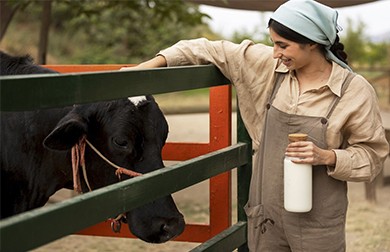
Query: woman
point(302, 84)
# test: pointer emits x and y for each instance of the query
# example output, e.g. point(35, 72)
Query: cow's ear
point(66, 134)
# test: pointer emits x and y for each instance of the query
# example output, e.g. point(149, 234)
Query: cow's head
point(131, 134)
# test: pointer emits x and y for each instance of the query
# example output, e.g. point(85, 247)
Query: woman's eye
point(283, 46)
point(122, 143)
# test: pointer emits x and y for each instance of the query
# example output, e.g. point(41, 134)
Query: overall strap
point(344, 87)
point(278, 82)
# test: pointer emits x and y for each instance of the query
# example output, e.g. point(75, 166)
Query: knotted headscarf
point(312, 20)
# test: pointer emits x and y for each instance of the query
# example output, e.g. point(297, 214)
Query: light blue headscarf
point(312, 20)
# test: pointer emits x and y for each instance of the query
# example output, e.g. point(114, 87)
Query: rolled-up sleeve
point(364, 137)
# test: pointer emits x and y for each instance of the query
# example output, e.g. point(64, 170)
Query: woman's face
point(293, 55)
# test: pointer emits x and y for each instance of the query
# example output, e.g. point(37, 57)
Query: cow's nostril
point(170, 228)
point(167, 227)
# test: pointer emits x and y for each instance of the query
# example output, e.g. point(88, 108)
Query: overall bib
point(270, 227)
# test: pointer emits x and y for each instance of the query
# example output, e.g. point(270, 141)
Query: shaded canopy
point(271, 5)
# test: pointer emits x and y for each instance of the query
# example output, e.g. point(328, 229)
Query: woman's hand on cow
point(307, 152)
point(158, 61)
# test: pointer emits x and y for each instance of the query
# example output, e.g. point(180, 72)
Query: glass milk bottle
point(297, 182)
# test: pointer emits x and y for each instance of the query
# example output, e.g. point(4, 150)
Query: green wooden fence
point(38, 227)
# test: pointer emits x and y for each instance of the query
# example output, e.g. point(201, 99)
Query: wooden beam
point(267, 5)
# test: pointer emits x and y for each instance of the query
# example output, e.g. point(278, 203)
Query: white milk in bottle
point(297, 182)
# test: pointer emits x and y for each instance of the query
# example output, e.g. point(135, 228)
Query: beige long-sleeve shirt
point(355, 130)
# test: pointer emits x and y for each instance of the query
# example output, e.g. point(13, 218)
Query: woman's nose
point(277, 54)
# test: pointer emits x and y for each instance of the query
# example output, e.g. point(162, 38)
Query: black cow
point(36, 153)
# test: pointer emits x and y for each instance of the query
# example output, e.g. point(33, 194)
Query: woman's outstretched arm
point(158, 61)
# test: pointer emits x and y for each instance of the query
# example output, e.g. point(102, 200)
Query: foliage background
point(94, 32)
point(114, 31)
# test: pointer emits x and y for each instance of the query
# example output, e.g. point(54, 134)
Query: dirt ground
point(368, 225)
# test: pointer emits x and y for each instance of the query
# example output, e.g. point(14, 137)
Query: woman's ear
point(313, 46)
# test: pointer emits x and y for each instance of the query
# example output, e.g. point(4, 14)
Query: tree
point(104, 20)
point(355, 42)
point(361, 50)
point(139, 34)
point(378, 54)
point(7, 11)
point(44, 31)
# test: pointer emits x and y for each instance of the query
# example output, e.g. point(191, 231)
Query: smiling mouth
point(286, 62)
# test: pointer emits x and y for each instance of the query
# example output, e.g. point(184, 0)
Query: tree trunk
point(44, 32)
point(6, 14)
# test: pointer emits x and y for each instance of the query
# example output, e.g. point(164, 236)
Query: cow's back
point(18, 65)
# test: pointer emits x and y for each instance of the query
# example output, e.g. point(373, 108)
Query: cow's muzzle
point(156, 222)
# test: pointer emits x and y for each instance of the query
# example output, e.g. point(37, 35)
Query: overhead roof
point(271, 5)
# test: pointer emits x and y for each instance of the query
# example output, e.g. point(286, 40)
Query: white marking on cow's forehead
point(137, 99)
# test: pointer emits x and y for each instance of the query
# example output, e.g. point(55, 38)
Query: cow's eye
point(120, 142)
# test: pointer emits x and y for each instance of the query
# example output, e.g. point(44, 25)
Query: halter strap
point(78, 152)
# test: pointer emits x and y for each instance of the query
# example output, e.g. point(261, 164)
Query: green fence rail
point(40, 226)
point(54, 90)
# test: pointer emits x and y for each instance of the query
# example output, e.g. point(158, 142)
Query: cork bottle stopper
point(296, 137)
